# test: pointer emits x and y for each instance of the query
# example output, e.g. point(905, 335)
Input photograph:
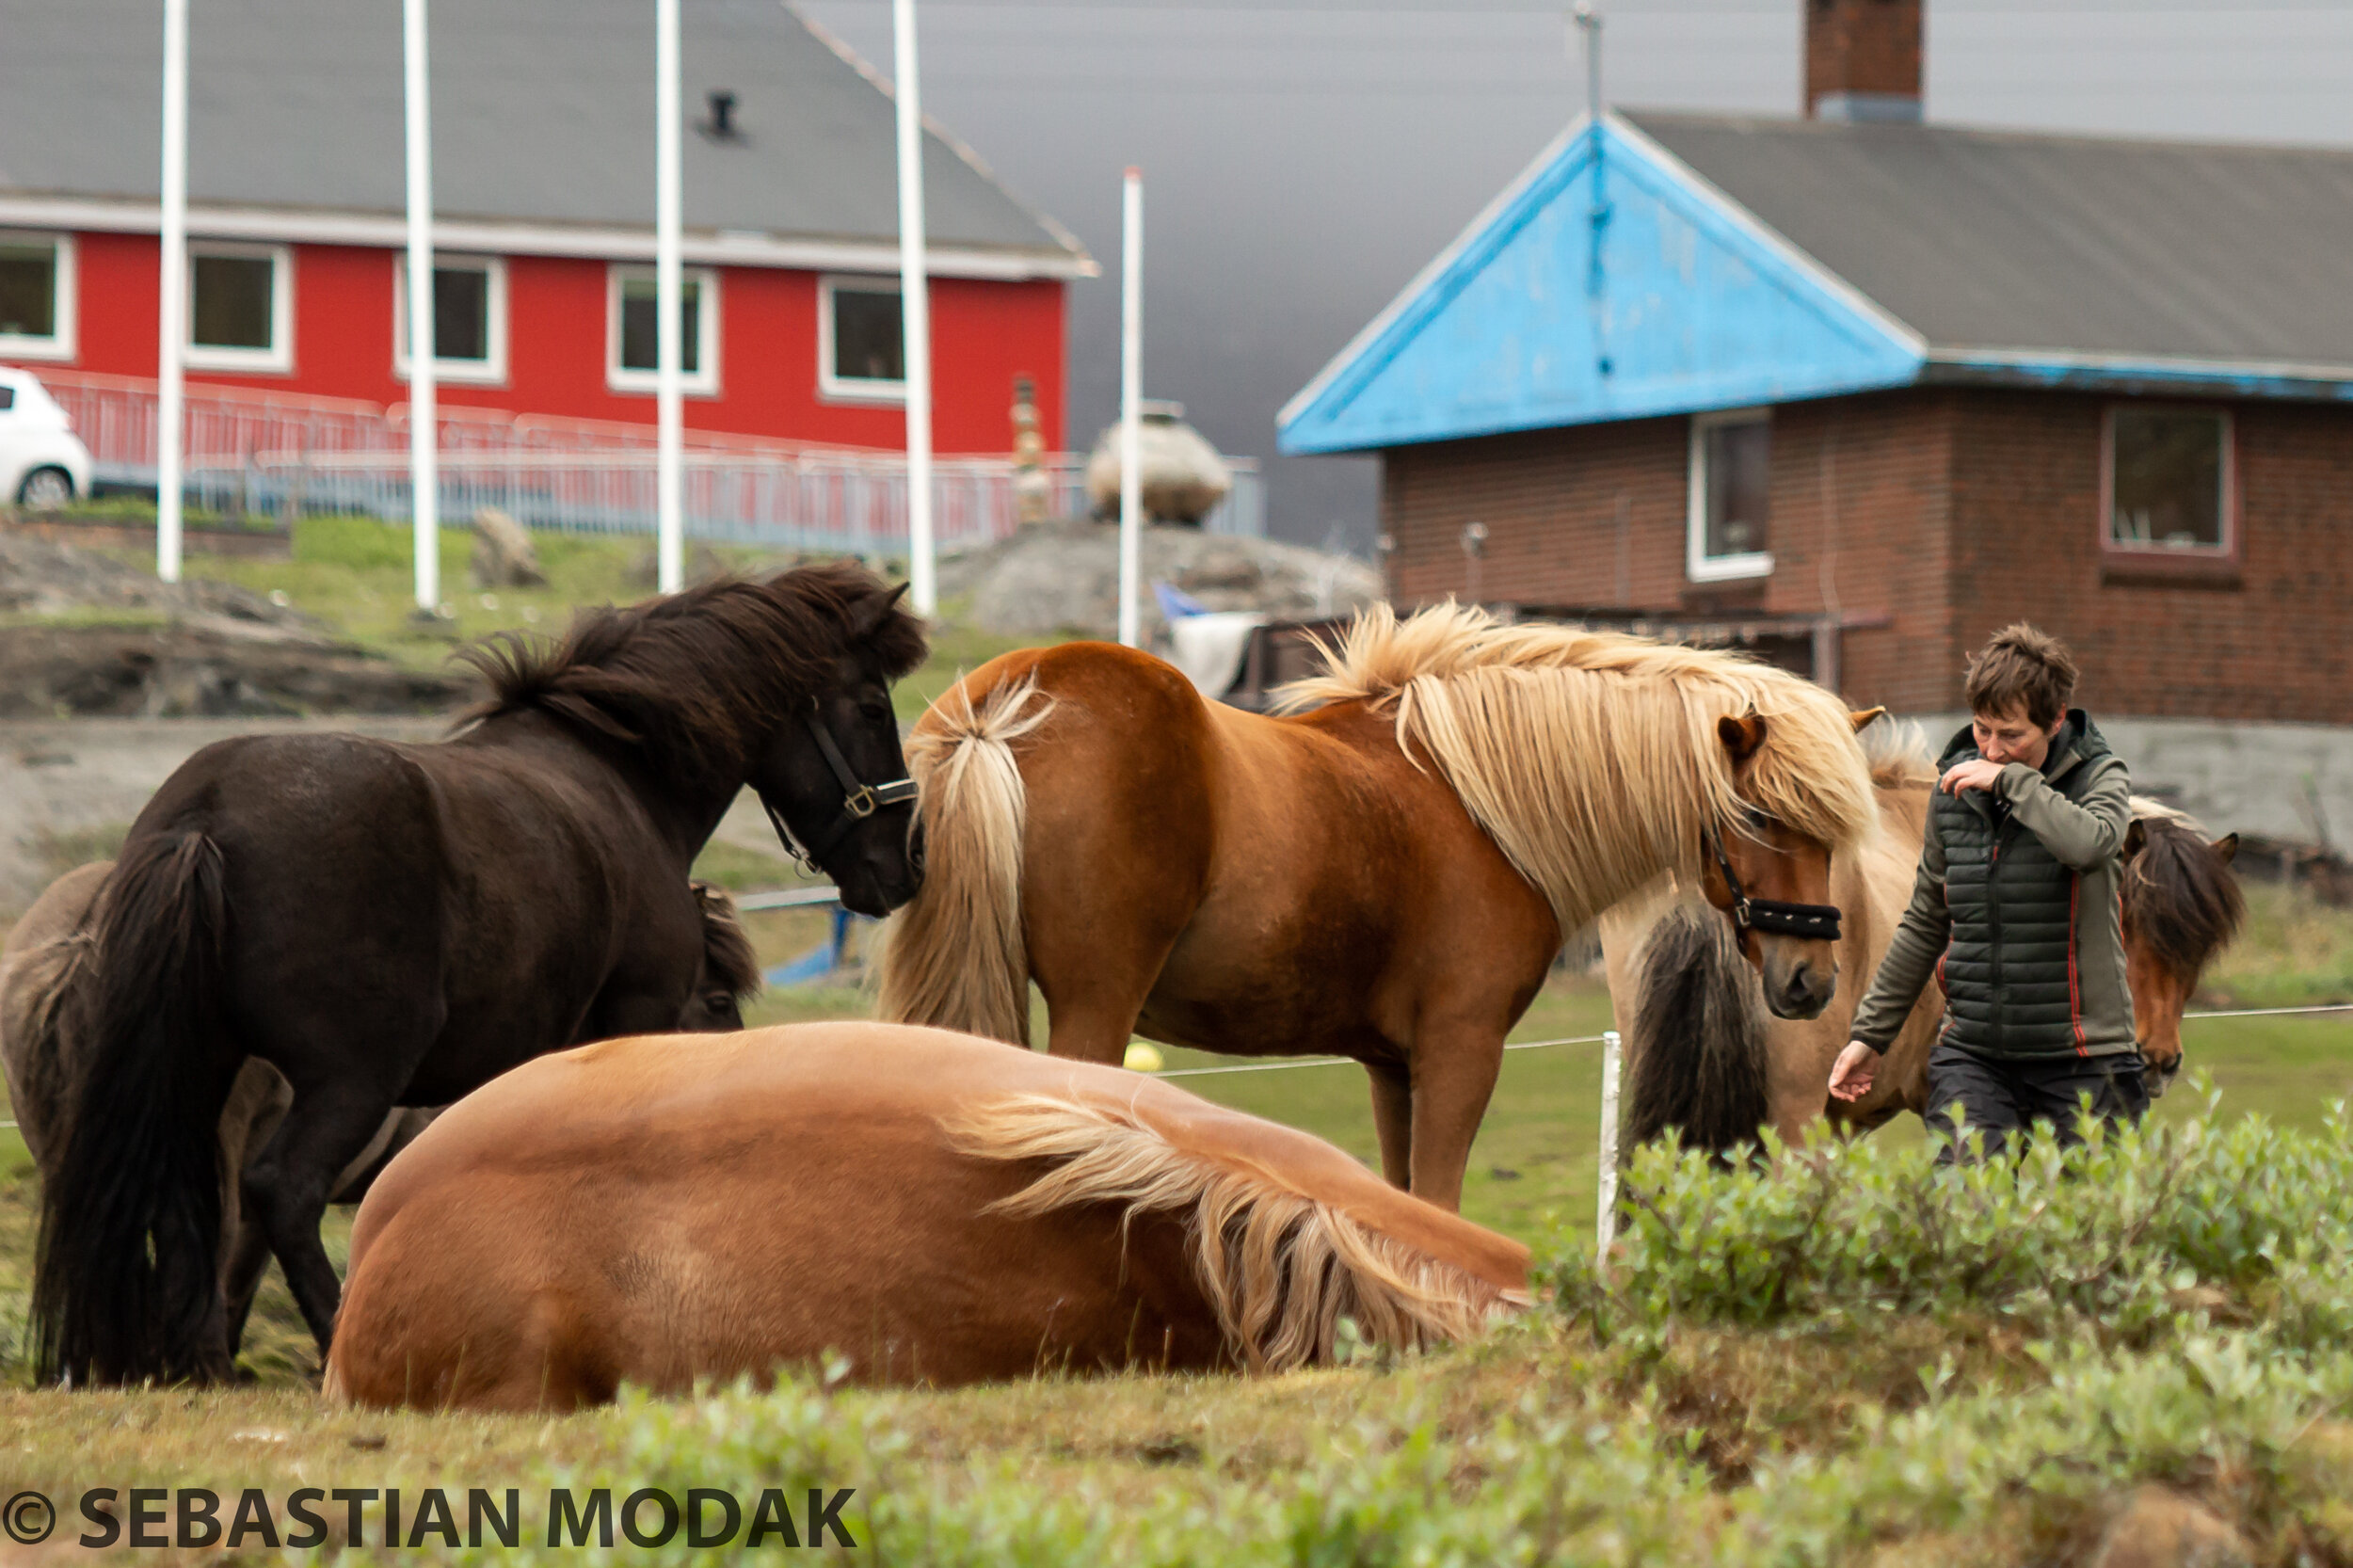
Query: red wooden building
point(544, 174)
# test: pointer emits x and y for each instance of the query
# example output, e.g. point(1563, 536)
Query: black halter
point(858, 800)
point(1771, 915)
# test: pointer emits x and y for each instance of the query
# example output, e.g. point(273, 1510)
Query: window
point(861, 340)
point(2168, 481)
point(631, 358)
point(240, 307)
point(1731, 489)
point(469, 318)
point(37, 296)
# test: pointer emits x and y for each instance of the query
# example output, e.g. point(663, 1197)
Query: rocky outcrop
point(1063, 576)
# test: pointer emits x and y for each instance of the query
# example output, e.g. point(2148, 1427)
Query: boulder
point(503, 555)
point(1179, 475)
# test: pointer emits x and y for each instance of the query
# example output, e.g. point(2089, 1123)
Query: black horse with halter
point(1771, 915)
point(860, 801)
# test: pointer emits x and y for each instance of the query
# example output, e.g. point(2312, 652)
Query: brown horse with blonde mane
point(1383, 873)
point(937, 1209)
point(1706, 1061)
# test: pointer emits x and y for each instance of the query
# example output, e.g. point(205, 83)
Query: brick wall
point(1940, 515)
point(2268, 640)
point(1595, 516)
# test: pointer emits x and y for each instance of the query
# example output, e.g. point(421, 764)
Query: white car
point(43, 464)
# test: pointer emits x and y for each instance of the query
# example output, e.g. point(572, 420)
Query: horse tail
point(1280, 1269)
point(954, 956)
point(1698, 1040)
point(126, 1281)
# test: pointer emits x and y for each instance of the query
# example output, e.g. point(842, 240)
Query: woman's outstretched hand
point(1851, 1079)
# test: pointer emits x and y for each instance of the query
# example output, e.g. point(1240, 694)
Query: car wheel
point(46, 489)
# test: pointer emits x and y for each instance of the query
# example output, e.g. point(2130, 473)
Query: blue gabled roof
point(1745, 261)
point(1693, 306)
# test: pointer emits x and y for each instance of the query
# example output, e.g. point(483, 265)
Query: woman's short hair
point(2026, 668)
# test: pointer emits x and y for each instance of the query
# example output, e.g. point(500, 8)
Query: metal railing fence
point(254, 452)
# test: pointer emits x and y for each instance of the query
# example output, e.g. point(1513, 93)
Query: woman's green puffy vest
point(2034, 965)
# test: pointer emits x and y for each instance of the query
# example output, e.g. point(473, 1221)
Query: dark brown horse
point(41, 1059)
point(395, 924)
point(1387, 877)
point(937, 1209)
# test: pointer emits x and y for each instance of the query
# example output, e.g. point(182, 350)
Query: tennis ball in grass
point(1143, 1058)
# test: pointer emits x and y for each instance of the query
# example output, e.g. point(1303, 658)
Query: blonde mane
point(1899, 753)
point(1280, 1269)
point(1593, 759)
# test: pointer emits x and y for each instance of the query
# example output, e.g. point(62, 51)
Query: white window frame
point(702, 382)
point(278, 358)
point(837, 389)
point(63, 343)
point(1698, 565)
point(489, 372)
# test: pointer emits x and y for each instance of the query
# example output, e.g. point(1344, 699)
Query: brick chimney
point(1863, 60)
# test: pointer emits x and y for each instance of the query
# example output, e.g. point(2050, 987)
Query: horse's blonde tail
point(954, 956)
point(1281, 1269)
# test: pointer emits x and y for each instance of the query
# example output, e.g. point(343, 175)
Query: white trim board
point(596, 241)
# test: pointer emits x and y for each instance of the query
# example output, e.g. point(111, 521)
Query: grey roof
point(2073, 245)
point(542, 112)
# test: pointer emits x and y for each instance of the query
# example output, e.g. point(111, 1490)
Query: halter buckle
point(859, 803)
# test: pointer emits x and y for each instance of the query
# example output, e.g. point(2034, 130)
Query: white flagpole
point(916, 312)
point(1130, 394)
point(669, 413)
point(425, 479)
point(172, 316)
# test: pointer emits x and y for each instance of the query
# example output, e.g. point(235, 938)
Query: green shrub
point(2108, 1238)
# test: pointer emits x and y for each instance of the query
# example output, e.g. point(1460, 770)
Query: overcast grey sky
point(1302, 160)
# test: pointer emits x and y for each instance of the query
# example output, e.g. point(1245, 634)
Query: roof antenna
point(1585, 24)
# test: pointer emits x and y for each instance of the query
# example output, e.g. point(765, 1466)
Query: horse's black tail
point(126, 1286)
point(1698, 1045)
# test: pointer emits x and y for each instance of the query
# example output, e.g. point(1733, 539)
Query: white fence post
point(1605, 1202)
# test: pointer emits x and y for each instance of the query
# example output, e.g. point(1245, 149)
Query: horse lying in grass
point(937, 1209)
point(1384, 874)
point(390, 924)
point(1704, 1059)
point(41, 1058)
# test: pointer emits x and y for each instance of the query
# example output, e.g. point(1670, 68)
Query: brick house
point(544, 185)
point(1856, 390)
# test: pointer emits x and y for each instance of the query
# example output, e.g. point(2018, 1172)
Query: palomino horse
point(936, 1207)
point(1703, 1059)
point(395, 924)
point(1385, 877)
point(41, 1059)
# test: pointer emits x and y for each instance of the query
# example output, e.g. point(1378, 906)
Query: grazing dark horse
point(1387, 877)
point(43, 1059)
point(937, 1209)
point(1706, 1061)
point(395, 924)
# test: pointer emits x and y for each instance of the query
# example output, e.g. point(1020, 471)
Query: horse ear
point(2136, 837)
point(870, 612)
point(1864, 716)
point(2227, 847)
point(1741, 736)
